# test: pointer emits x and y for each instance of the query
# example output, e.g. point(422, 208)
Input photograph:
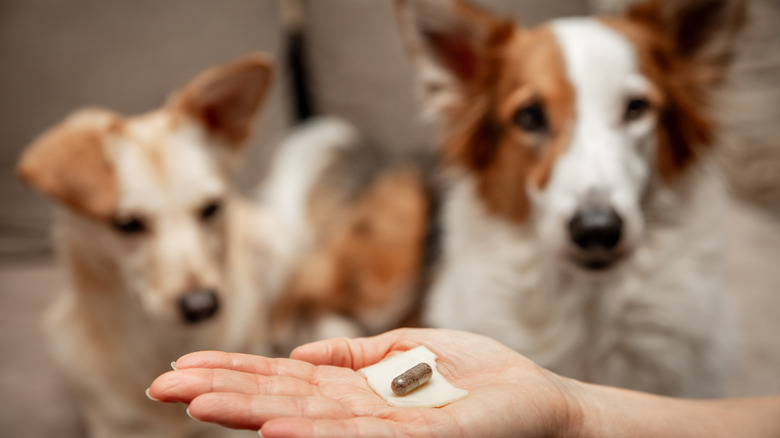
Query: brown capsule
point(411, 379)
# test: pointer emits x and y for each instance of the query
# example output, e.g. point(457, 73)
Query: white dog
point(582, 224)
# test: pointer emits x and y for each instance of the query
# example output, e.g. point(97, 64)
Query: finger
point(360, 352)
point(243, 411)
point(247, 363)
point(184, 385)
point(326, 428)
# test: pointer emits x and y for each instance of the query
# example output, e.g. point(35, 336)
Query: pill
point(436, 393)
point(411, 379)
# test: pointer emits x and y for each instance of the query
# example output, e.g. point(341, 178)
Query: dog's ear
point(701, 32)
point(226, 98)
point(69, 163)
point(451, 42)
point(694, 47)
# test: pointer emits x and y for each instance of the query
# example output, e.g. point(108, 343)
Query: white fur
point(300, 161)
point(297, 166)
point(657, 321)
point(606, 157)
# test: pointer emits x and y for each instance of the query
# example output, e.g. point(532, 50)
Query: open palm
point(318, 392)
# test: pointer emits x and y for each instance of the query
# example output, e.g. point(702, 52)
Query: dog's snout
point(198, 305)
point(596, 228)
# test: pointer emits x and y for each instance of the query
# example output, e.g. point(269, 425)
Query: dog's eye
point(210, 210)
point(130, 225)
point(636, 108)
point(531, 119)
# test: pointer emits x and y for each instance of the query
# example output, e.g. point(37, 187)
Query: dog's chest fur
point(660, 311)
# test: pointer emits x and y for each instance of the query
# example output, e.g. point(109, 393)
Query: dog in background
point(582, 216)
point(359, 221)
point(163, 257)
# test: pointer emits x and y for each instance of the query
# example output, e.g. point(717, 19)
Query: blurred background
point(337, 57)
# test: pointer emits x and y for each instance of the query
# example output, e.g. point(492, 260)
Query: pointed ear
point(693, 46)
point(701, 32)
point(225, 99)
point(69, 163)
point(450, 40)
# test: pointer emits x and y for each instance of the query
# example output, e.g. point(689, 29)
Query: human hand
point(318, 392)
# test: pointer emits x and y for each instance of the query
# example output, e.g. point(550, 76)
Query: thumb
point(356, 353)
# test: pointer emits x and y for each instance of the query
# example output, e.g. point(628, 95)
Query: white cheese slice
point(435, 393)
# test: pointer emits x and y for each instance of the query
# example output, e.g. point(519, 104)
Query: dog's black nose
point(596, 228)
point(197, 305)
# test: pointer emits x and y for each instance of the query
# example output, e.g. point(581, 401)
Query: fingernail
point(149, 396)
point(190, 415)
point(259, 432)
point(173, 365)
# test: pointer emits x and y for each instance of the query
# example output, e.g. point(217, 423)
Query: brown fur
point(481, 137)
point(225, 105)
point(748, 106)
point(69, 163)
point(366, 263)
point(682, 57)
point(534, 68)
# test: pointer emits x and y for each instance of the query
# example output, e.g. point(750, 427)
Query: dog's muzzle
point(595, 232)
point(198, 305)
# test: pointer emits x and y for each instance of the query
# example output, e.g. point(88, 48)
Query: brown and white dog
point(162, 255)
point(357, 223)
point(582, 219)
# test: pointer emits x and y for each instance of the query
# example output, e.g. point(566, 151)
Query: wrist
point(575, 409)
point(604, 411)
point(563, 409)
